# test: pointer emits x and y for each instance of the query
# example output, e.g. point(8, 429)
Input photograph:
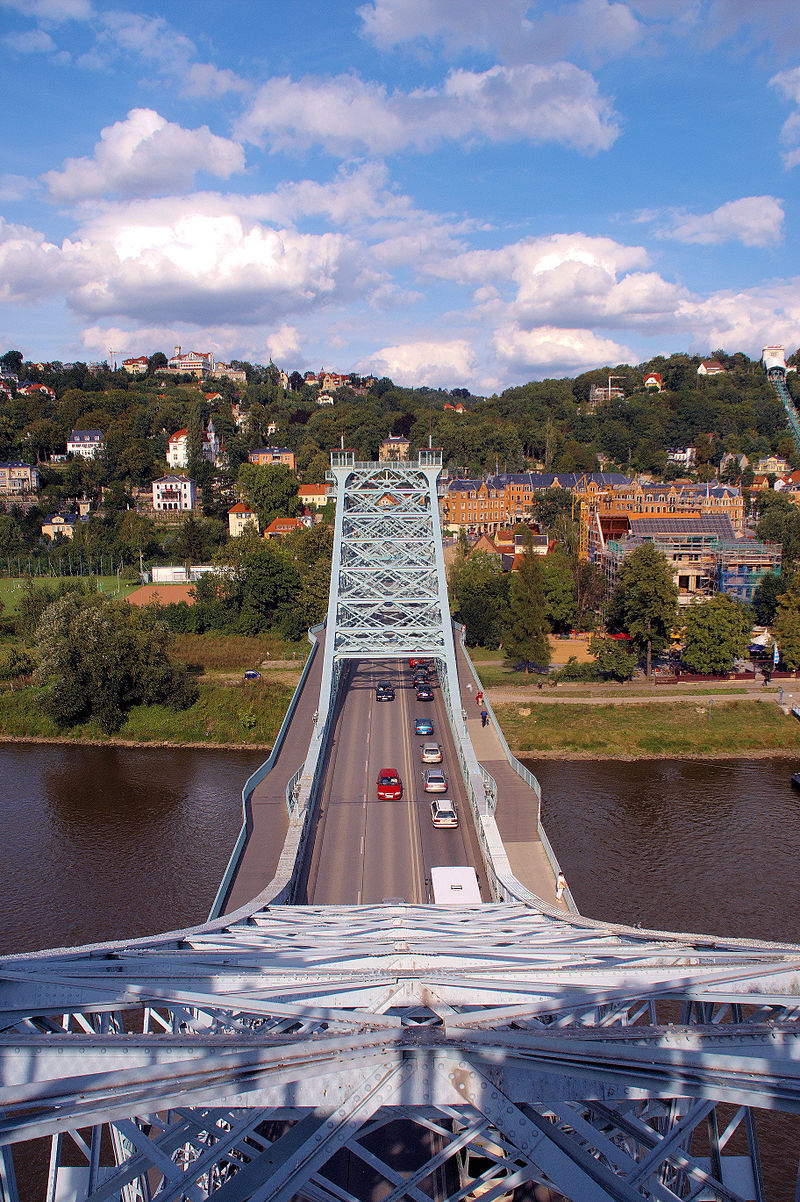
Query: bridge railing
point(504, 884)
point(260, 773)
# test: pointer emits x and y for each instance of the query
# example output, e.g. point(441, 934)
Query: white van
point(455, 886)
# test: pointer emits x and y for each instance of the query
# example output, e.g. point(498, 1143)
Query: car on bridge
point(384, 691)
point(430, 753)
point(390, 786)
point(443, 812)
point(424, 692)
point(435, 781)
point(423, 726)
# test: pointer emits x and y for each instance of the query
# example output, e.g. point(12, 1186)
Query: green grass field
point(11, 590)
point(657, 729)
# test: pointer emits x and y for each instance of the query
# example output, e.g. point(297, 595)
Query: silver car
point(435, 781)
point(431, 753)
point(443, 812)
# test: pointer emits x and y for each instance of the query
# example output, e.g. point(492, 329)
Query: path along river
point(102, 843)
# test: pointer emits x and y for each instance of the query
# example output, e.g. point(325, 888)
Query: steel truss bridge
point(350, 1053)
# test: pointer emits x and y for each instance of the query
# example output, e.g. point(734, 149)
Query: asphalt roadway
point(365, 851)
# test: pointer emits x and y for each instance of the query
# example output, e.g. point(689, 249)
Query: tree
point(478, 596)
point(525, 634)
point(272, 491)
point(717, 633)
point(613, 658)
point(646, 600)
point(559, 592)
point(11, 361)
point(765, 598)
point(786, 627)
point(97, 659)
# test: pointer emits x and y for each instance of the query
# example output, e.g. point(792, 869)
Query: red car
point(390, 786)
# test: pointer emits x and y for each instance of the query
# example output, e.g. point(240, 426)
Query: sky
point(448, 192)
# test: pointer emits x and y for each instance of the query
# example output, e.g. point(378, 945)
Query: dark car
point(424, 692)
point(384, 691)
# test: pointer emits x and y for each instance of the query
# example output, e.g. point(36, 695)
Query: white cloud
point(15, 187)
point(595, 27)
point(142, 156)
point(752, 220)
point(445, 364)
point(206, 80)
point(788, 84)
point(30, 41)
point(348, 116)
point(548, 349)
point(30, 267)
point(282, 344)
point(52, 10)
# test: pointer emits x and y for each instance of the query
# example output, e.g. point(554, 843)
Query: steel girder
point(511, 1045)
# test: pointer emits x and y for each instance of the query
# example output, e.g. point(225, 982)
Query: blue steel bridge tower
point(431, 1053)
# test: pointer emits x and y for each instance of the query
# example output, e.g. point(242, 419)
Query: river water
point(105, 843)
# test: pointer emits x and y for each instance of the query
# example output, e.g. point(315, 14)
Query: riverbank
point(225, 716)
point(700, 728)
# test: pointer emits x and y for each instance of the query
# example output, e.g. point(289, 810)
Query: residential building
point(225, 372)
point(394, 447)
point(195, 363)
point(40, 390)
point(483, 506)
point(710, 367)
point(87, 443)
point(605, 512)
point(136, 367)
point(772, 465)
point(704, 555)
point(178, 447)
point(18, 477)
point(682, 456)
point(325, 398)
point(268, 456)
point(653, 379)
point(313, 494)
point(174, 493)
point(60, 524)
point(280, 527)
point(241, 518)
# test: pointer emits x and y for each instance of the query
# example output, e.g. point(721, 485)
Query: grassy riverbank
point(652, 729)
point(244, 715)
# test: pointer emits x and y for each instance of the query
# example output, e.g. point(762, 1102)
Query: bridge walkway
point(266, 814)
point(517, 808)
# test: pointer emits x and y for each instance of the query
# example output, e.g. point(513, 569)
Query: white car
point(431, 753)
point(435, 781)
point(443, 812)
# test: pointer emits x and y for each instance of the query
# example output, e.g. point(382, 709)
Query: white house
point(178, 447)
point(240, 518)
point(137, 366)
point(174, 493)
point(87, 443)
point(195, 363)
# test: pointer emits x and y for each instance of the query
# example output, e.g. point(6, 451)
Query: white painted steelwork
point(232, 1061)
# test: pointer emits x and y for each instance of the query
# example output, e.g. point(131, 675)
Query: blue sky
point(447, 192)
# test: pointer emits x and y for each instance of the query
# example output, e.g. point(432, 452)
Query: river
point(103, 843)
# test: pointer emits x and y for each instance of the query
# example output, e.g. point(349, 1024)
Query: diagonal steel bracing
point(242, 1061)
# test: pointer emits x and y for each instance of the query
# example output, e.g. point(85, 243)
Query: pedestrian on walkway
point(469, 686)
point(484, 718)
point(561, 884)
point(479, 697)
